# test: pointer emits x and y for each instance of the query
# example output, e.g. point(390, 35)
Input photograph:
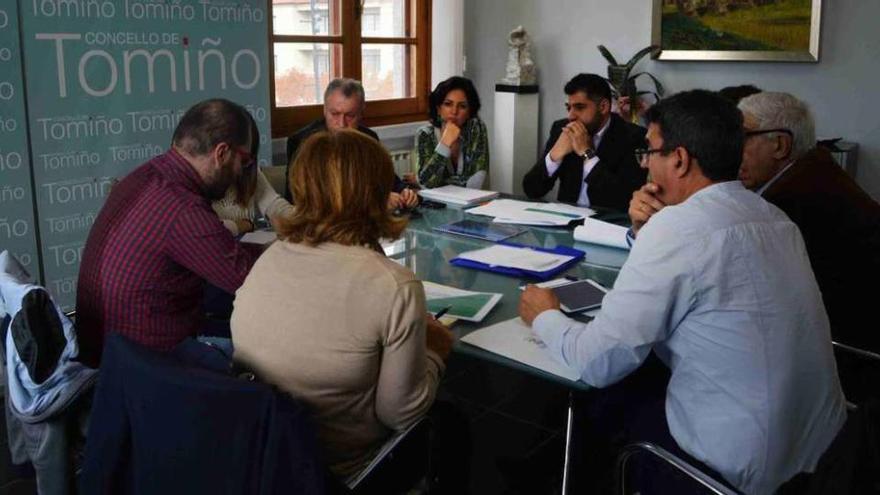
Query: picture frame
point(737, 30)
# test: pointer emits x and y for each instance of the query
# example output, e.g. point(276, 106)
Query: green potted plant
point(623, 81)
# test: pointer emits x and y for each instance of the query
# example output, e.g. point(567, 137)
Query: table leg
point(567, 460)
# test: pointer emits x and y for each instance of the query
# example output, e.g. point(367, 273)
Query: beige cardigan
point(265, 201)
point(343, 329)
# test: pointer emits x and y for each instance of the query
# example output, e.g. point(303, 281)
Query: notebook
point(457, 195)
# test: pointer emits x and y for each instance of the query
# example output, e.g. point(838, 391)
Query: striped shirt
point(154, 245)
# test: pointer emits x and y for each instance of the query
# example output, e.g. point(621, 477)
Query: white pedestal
point(514, 146)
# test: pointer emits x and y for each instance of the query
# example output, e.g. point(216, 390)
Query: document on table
point(457, 195)
point(530, 213)
point(465, 305)
point(515, 257)
point(261, 237)
point(604, 233)
point(515, 340)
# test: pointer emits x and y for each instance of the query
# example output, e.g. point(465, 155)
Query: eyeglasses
point(758, 132)
point(643, 153)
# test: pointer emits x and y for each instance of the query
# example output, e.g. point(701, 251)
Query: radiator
point(403, 162)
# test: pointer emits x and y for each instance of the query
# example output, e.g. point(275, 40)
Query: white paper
point(393, 247)
point(457, 195)
point(438, 291)
point(604, 233)
point(537, 219)
point(261, 237)
point(531, 213)
point(515, 340)
point(513, 257)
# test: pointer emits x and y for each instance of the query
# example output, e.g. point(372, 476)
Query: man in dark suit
point(839, 221)
point(591, 151)
point(344, 103)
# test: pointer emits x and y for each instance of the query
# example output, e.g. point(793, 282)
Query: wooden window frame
point(287, 120)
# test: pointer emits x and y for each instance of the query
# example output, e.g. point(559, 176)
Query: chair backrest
point(859, 371)
point(277, 177)
point(700, 481)
point(39, 346)
point(160, 424)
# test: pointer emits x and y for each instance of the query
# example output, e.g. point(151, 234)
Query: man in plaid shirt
point(157, 241)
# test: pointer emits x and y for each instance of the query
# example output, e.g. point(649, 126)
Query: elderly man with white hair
point(840, 223)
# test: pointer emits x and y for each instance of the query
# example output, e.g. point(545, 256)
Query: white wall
point(841, 88)
point(447, 39)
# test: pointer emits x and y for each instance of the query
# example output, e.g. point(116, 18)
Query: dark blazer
point(841, 228)
point(159, 415)
point(611, 182)
point(297, 139)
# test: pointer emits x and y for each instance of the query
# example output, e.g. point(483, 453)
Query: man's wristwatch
point(589, 154)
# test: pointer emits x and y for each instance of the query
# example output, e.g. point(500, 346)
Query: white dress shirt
point(589, 164)
point(721, 287)
point(776, 177)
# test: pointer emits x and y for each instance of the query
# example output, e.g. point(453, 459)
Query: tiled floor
point(516, 425)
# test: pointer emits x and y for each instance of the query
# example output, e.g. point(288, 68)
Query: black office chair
point(181, 422)
point(700, 482)
point(859, 371)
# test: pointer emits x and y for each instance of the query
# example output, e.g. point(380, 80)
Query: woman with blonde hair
point(325, 316)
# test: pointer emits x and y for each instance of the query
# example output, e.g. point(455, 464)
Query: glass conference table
point(427, 253)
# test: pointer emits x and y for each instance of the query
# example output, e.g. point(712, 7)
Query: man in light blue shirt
point(719, 285)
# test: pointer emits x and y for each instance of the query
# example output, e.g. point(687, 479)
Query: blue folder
point(517, 272)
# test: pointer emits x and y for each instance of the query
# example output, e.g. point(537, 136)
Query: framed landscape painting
point(737, 30)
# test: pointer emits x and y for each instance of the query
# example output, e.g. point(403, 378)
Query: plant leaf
point(608, 56)
point(614, 91)
point(638, 56)
point(657, 83)
point(656, 98)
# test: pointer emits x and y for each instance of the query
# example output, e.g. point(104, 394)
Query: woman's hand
point(244, 226)
point(450, 135)
point(438, 338)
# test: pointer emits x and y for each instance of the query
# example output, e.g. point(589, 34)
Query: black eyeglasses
point(758, 132)
point(642, 153)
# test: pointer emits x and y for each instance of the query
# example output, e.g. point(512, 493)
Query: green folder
point(462, 306)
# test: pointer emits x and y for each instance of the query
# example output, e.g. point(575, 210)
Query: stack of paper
point(261, 237)
point(465, 305)
point(456, 195)
point(604, 233)
point(515, 340)
point(528, 213)
point(521, 258)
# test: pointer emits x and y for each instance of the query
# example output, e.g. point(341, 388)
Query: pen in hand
point(442, 312)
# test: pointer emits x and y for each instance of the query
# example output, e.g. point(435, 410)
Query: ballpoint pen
point(442, 312)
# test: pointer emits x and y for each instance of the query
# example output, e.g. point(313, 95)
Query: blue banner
point(17, 229)
point(107, 82)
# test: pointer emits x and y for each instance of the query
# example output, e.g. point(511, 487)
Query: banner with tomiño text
point(107, 82)
point(17, 228)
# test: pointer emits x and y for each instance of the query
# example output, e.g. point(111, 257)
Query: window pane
point(384, 18)
point(303, 70)
point(315, 17)
point(389, 71)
